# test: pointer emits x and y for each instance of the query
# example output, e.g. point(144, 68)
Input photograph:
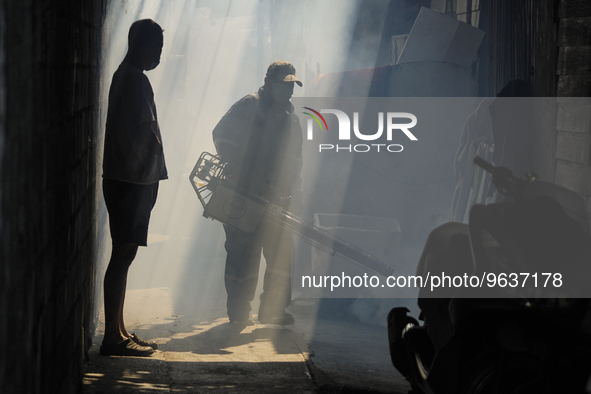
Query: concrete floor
point(208, 354)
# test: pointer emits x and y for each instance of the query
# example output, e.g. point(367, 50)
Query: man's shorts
point(129, 206)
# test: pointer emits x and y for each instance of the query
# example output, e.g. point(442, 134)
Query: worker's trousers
point(242, 269)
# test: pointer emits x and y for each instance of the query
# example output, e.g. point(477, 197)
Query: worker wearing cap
point(260, 140)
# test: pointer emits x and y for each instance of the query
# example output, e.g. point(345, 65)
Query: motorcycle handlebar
point(503, 178)
point(479, 161)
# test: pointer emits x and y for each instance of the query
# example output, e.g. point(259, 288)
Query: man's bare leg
point(114, 292)
point(122, 328)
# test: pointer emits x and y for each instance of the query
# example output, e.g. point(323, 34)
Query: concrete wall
point(49, 53)
point(573, 140)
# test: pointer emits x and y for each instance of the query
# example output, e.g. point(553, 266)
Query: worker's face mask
point(155, 50)
point(282, 92)
point(153, 65)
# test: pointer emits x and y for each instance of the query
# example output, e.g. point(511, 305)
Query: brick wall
point(49, 54)
point(573, 144)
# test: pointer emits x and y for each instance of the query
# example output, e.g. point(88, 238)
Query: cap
point(282, 70)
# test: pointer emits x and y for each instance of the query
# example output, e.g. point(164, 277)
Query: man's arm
point(297, 195)
point(143, 131)
point(298, 141)
point(231, 134)
point(147, 138)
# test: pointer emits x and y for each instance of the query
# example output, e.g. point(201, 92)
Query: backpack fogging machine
point(222, 200)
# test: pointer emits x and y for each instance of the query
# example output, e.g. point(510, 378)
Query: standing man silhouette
point(260, 140)
point(133, 165)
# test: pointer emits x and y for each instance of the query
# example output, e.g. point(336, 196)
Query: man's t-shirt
point(133, 150)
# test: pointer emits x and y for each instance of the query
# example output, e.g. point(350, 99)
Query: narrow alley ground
point(201, 352)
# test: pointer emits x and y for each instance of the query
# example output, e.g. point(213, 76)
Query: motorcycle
point(511, 335)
